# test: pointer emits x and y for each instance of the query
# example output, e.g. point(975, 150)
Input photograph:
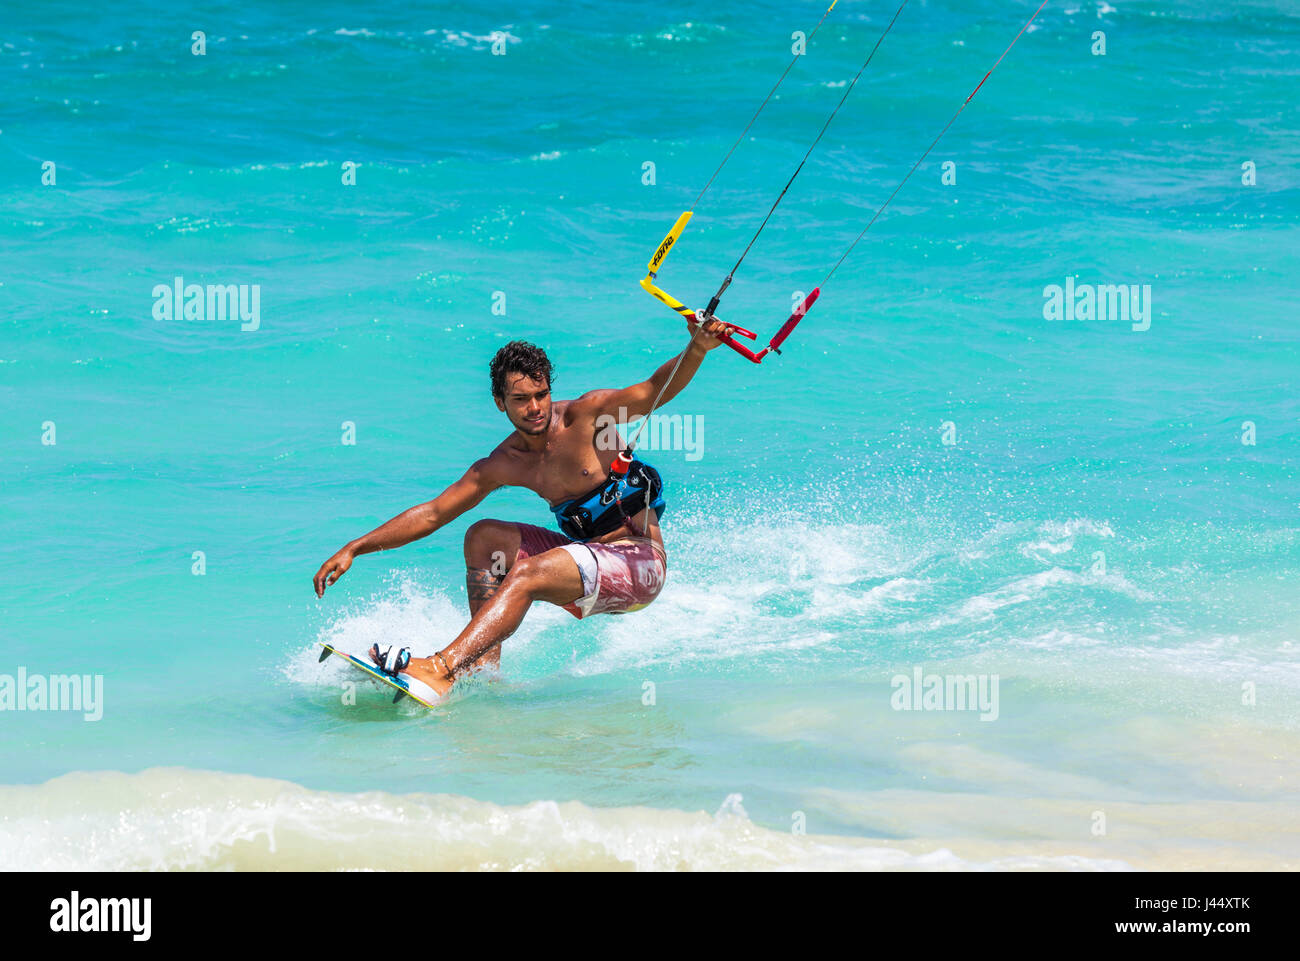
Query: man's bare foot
point(422, 669)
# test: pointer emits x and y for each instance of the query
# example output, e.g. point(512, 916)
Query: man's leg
point(552, 576)
point(490, 550)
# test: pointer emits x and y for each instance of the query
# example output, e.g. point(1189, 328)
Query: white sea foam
point(884, 595)
point(1032, 587)
point(1058, 537)
point(172, 818)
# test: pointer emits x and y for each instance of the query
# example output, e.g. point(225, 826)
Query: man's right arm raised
point(414, 523)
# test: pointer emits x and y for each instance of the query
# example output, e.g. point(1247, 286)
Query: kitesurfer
point(608, 556)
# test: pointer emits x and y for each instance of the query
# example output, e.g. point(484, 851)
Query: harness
point(632, 486)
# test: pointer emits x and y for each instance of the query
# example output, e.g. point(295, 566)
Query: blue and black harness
point(612, 503)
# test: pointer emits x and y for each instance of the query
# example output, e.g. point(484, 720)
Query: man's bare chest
point(569, 465)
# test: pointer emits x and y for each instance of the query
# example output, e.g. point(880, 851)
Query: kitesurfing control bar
point(728, 338)
point(775, 343)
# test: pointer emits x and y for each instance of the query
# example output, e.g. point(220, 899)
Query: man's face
point(527, 403)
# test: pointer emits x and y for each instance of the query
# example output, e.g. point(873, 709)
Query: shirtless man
point(612, 559)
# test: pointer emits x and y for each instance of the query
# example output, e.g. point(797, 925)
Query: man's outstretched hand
point(332, 570)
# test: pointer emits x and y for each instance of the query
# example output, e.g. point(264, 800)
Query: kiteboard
point(406, 685)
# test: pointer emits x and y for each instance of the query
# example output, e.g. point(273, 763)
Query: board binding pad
point(406, 686)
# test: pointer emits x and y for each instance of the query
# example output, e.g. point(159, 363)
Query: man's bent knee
point(523, 573)
point(491, 545)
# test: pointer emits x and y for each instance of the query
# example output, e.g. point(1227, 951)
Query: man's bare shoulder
point(589, 406)
point(498, 465)
point(508, 465)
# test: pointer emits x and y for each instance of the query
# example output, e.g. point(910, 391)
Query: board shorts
point(617, 578)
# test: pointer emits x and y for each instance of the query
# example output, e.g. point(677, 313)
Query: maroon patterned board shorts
point(617, 578)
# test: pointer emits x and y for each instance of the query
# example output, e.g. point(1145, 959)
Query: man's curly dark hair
point(519, 357)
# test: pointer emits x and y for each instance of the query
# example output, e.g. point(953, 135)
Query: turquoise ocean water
point(933, 476)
